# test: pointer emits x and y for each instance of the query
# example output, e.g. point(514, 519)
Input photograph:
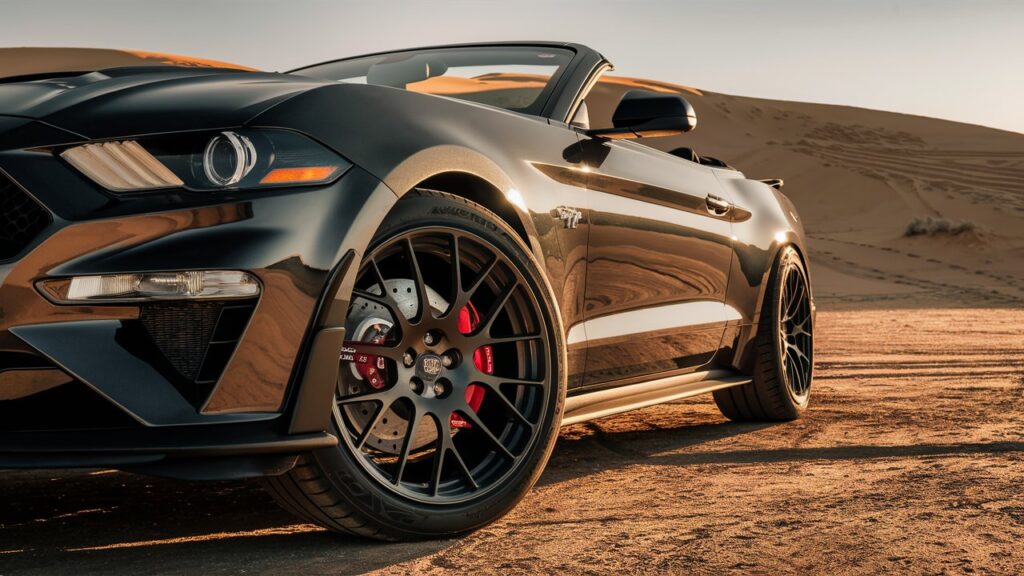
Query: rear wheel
point(784, 364)
point(450, 391)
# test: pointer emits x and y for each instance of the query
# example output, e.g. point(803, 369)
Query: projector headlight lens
point(188, 285)
point(227, 160)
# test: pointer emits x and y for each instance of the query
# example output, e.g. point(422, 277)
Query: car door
point(658, 262)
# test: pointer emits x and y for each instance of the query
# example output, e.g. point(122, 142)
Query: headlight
point(188, 285)
point(121, 166)
point(232, 159)
point(229, 157)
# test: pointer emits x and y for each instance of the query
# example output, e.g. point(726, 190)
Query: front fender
point(404, 138)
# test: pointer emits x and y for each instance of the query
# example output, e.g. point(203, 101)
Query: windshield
point(515, 78)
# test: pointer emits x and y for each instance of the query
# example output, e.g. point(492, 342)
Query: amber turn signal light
point(299, 175)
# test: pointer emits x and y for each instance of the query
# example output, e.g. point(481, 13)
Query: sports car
point(381, 283)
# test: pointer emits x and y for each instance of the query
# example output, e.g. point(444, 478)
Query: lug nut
point(408, 360)
point(451, 358)
point(438, 388)
point(430, 338)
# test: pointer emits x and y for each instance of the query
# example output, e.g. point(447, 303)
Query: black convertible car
point(381, 283)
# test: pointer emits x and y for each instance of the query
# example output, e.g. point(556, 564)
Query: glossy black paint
point(653, 243)
point(648, 237)
point(126, 102)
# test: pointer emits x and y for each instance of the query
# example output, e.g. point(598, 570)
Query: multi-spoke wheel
point(450, 390)
point(784, 363)
point(796, 341)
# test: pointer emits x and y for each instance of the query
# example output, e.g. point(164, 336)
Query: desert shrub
point(939, 226)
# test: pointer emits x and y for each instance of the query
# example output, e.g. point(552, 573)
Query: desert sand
point(910, 459)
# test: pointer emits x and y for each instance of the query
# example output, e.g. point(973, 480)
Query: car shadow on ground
point(99, 522)
point(680, 447)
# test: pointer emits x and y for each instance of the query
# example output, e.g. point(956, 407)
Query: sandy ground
point(911, 459)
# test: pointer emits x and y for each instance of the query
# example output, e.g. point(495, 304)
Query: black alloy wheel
point(453, 397)
point(451, 380)
point(783, 362)
point(796, 339)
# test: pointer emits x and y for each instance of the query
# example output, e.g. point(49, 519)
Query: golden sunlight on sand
point(25, 61)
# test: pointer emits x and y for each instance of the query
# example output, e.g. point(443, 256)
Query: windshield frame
point(541, 107)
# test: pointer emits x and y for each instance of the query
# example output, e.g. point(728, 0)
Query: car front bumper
point(141, 385)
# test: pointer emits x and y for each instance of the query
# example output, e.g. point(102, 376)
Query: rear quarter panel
point(773, 223)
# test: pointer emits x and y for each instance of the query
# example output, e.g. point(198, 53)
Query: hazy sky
point(962, 60)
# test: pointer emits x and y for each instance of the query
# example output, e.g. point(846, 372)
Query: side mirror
point(647, 114)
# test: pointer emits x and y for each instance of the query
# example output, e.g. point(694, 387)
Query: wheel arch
point(479, 190)
point(468, 174)
point(742, 359)
point(791, 239)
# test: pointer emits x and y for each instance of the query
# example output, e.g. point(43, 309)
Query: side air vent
point(21, 218)
point(197, 338)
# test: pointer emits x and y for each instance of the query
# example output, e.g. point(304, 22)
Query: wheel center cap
point(429, 366)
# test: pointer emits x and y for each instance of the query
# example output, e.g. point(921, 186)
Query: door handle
point(717, 205)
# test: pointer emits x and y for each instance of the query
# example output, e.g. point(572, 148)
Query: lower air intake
point(197, 339)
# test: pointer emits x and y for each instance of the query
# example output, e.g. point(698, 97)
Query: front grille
point(197, 339)
point(21, 218)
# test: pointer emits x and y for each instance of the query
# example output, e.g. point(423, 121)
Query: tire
point(351, 488)
point(784, 350)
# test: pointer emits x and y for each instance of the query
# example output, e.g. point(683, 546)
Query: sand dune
point(28, 61)
point(859, 178)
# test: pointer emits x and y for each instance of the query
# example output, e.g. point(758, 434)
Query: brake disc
point(371, 322)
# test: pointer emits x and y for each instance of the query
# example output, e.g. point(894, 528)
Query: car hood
point(125, 102)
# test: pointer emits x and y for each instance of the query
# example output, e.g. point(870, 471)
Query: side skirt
point(601, 403)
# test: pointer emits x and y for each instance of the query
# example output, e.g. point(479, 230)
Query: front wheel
point(451, 386)
point(784, 363)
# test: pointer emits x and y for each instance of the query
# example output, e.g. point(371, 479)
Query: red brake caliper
point(483, 359)
point(371, 367)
